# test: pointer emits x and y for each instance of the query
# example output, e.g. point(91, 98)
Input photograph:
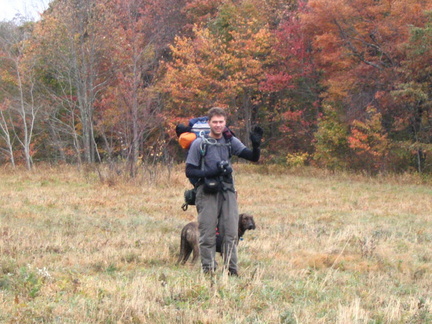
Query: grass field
point(81, 246)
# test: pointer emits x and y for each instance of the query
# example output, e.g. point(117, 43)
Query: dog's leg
point(196, 253)
point(181, 254)
point(187, 254)
point(185, 250)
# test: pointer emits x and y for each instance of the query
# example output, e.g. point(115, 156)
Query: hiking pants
point(217, 210)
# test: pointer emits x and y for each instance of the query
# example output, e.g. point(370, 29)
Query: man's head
point(217, 121)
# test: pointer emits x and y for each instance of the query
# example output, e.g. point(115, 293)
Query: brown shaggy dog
point(190, 236)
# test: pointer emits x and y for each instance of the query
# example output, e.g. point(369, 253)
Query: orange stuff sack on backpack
point(186, 139)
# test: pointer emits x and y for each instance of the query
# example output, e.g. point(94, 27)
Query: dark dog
point(190, 237)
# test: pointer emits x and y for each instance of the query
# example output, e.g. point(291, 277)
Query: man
point(209, 160)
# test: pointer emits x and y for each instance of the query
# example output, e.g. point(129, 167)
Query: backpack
point(199, 127)
point(187, 134)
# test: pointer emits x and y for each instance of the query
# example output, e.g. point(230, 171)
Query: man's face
point(217, 125)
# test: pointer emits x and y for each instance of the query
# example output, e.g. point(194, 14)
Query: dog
point(189, 238)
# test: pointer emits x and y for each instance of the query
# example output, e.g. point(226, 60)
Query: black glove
point(256, 136)
point(224, 168)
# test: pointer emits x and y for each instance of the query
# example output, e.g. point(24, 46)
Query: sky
point(26, 8)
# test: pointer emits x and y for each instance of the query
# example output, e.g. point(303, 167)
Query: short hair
point(216, 111)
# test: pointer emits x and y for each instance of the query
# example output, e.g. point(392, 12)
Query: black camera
point(223, 164)
point(224, 167)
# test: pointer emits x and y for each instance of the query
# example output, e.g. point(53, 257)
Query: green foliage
point(414, 91)
point(296, 159)
point(25, 281)
point(331, 141)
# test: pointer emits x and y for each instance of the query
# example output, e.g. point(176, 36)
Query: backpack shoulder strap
point(206, 141)
point(229, 147)
point(203, 148)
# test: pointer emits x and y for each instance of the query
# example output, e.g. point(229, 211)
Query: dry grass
point(329, 248)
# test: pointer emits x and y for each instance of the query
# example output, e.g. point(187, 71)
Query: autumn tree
point(51, 48)
point(221, 64)
point(6, 85)
point(20, 104)
point(358, 45)
point(369, 143)
point(72, 46)
point(414, 90)
point(292, 86)
point(331, 140)
point(126, 110)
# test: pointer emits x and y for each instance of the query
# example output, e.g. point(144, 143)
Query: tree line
point(341, 84)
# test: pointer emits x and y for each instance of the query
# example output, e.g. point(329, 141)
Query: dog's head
point(246, 222)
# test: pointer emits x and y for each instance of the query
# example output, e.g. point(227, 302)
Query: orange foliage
point(206, 70)
point(350, 34)
point(369, 141)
